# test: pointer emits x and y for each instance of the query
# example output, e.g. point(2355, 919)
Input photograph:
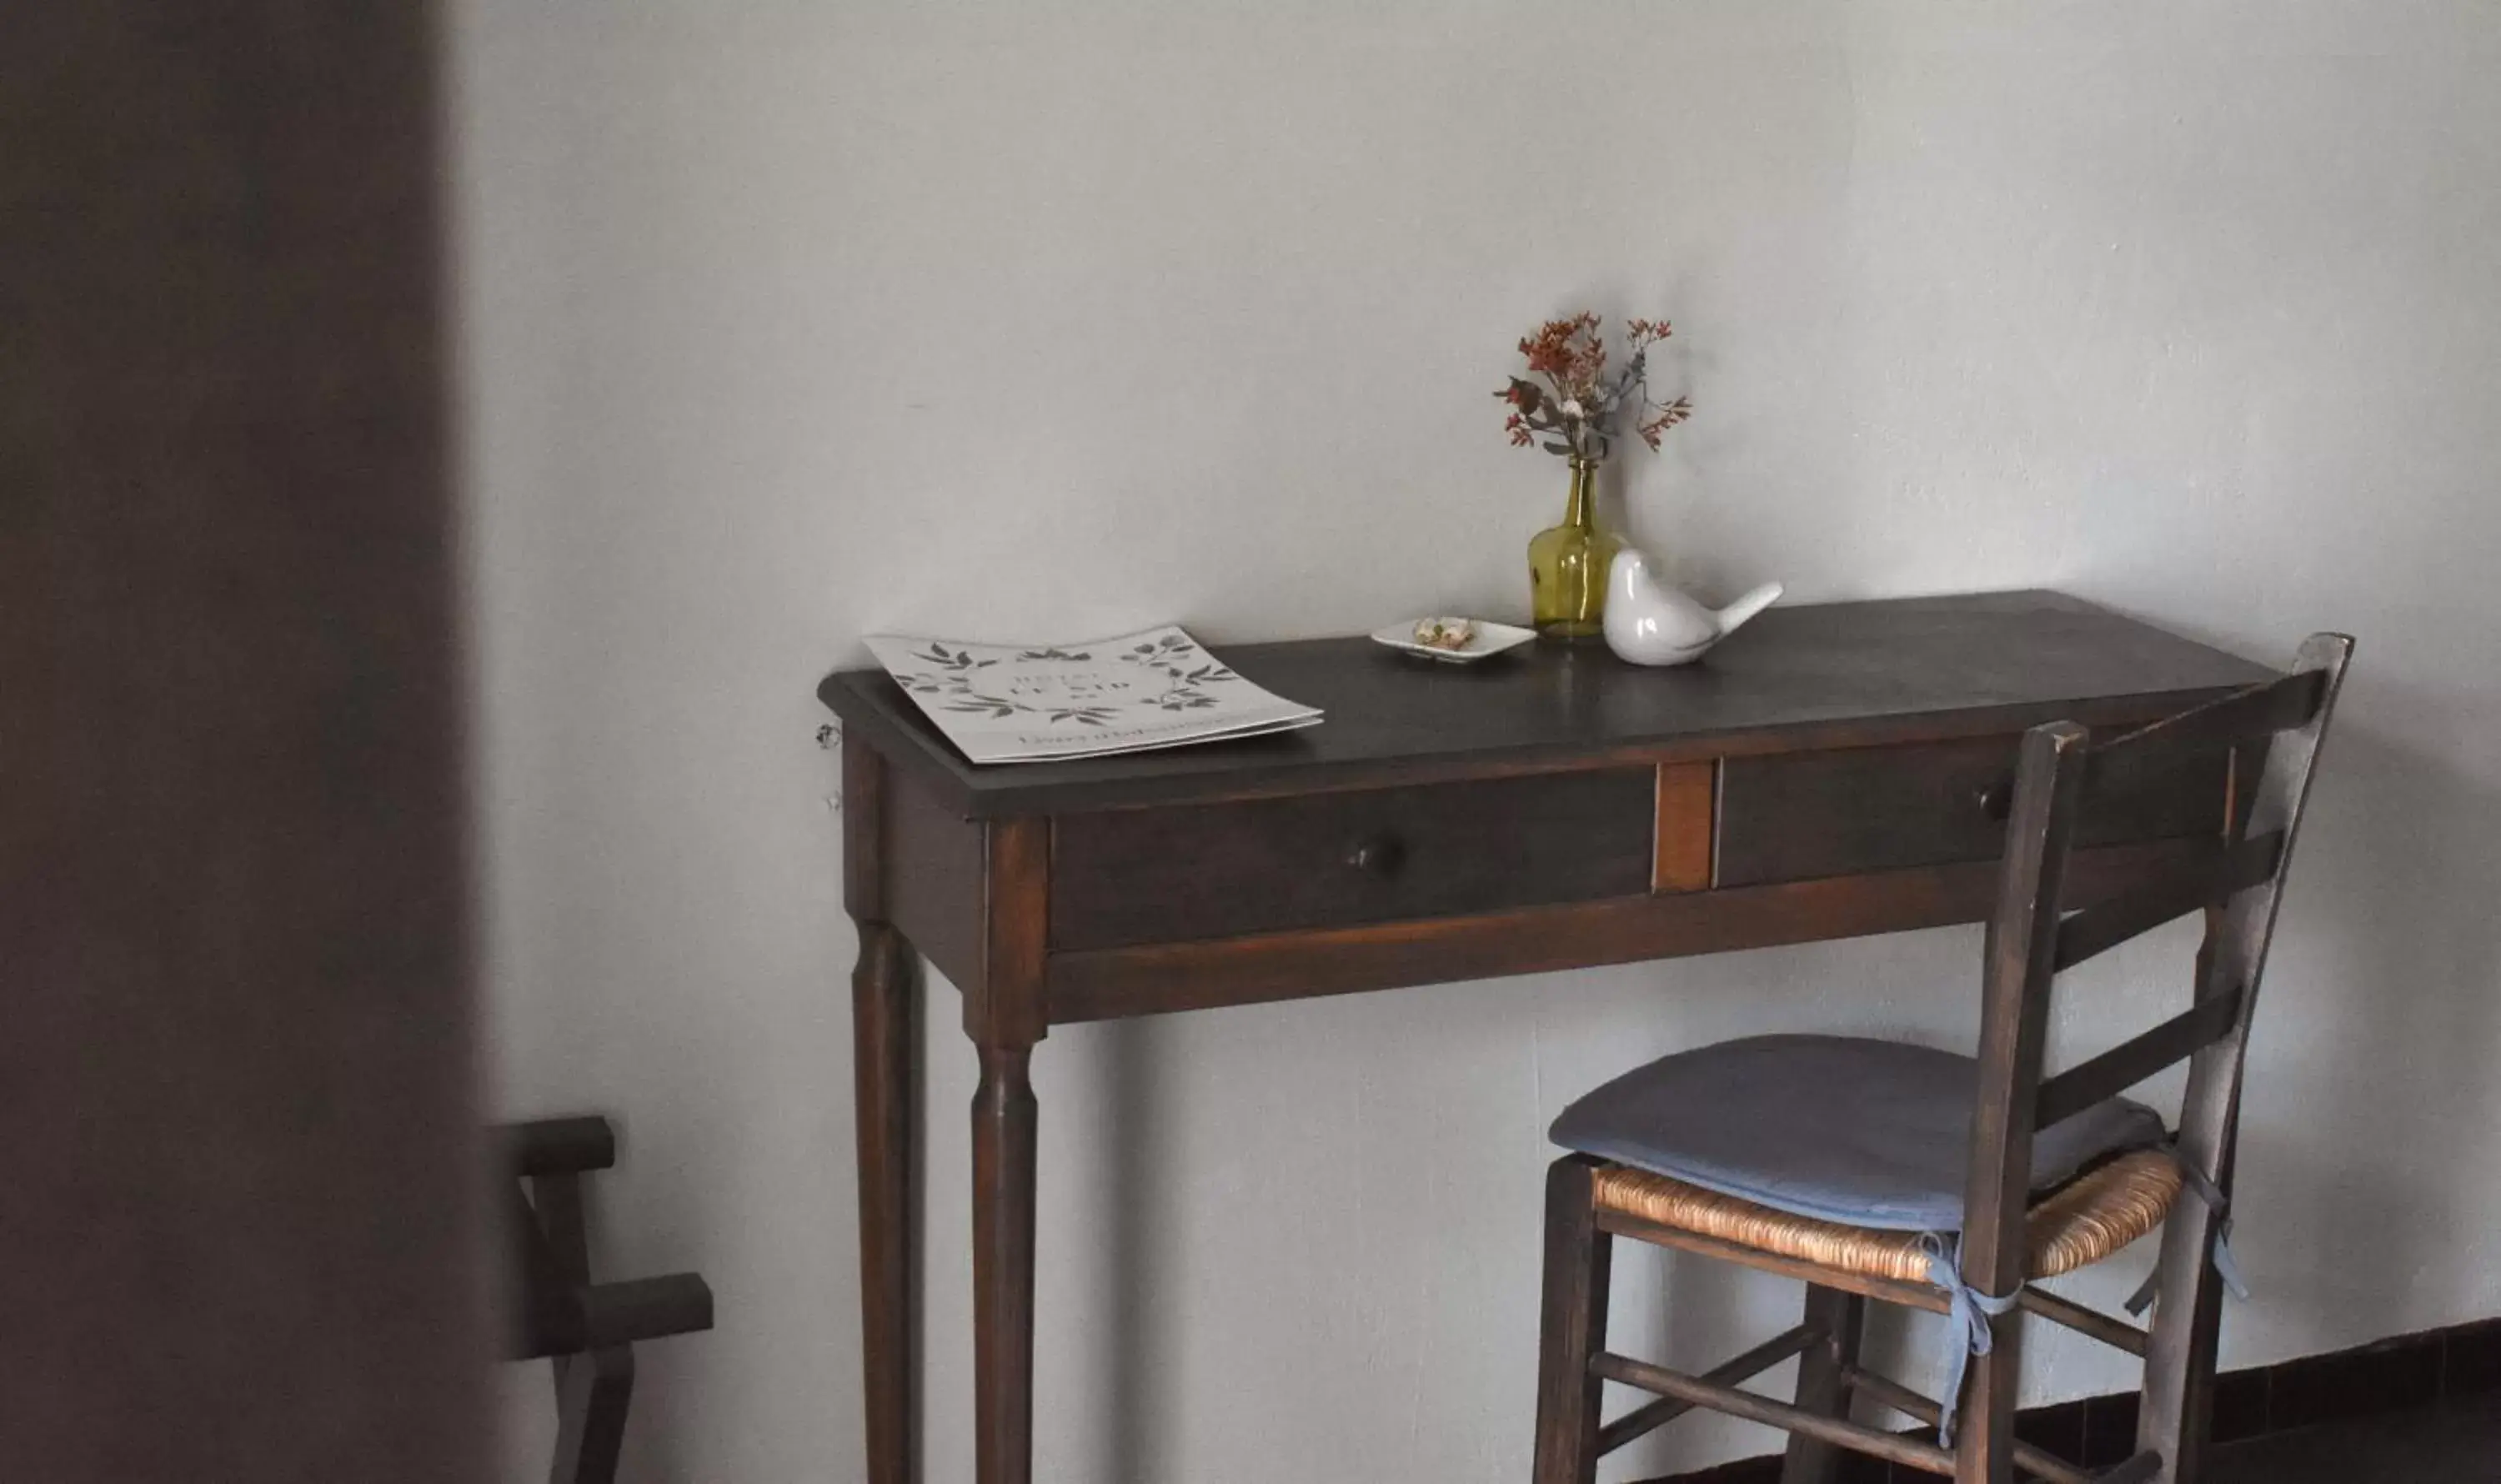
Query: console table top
point(1824, 675)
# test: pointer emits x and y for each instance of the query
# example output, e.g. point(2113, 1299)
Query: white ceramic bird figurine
point(1650, 623)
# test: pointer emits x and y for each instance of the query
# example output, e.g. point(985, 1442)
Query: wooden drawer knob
point(1379, 856)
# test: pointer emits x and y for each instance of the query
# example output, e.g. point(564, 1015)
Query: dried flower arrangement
point(1577, 412)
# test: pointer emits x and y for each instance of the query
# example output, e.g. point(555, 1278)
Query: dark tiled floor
point(2460, 1441)
point(2454, 1442)
point(2413, 1409)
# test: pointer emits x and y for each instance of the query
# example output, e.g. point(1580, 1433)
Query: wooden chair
point(587, 1328)
point(2009, 1234)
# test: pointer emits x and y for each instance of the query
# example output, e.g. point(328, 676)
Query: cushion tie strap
point(1967, 1332)
point(2226, 1266)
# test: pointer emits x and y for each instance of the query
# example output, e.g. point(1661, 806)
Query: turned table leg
point(1003, 1221)
point(881, 1051)
point(1005, 1016)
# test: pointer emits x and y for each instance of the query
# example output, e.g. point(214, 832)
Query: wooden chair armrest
point(572, 1321)
point(556, 1146)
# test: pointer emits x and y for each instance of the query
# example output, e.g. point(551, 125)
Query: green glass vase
point(1567, 566)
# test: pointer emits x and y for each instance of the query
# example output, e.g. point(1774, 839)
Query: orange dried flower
point(1578, 410)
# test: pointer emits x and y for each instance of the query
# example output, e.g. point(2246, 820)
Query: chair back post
point(2234, 955)
point(2020, 961)
point(2020, 964)
point(2230, 961)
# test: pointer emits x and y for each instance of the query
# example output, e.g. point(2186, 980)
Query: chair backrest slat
point(2126, 763)
point(2202, 881)
point(2131, 1062)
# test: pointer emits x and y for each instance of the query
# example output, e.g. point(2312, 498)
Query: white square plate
point(1489, 639)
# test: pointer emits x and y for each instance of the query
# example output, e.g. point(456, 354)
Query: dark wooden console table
point(1824, 774)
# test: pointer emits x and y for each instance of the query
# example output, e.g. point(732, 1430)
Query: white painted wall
point(786, 321)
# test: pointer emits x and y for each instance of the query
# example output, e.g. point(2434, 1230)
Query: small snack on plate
point(1444, 633)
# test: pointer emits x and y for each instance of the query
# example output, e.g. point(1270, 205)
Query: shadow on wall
point(1133, 1100)
point(2371, 1088)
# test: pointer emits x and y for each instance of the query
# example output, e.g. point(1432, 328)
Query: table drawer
point(1163, 875)
point(1805, 816)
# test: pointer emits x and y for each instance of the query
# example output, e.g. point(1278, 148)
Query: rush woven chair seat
point(2078, 1224)
point(1874, 1169)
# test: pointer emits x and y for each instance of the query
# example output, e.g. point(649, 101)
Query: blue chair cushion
point(1843, 1129)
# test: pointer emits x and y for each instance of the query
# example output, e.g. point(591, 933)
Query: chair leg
point(592, 1391)
point(1573, 1328)
point(1822, 1384)
point(1985, 1424)
point(2178, 1405)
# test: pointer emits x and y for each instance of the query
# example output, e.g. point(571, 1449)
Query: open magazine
point(1026, 703)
